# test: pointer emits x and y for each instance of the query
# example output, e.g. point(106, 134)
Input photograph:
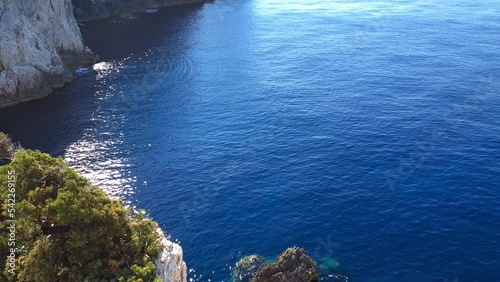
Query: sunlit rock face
point(293, 265)
point(40, 46)
point(86, 10)
point(170, 265)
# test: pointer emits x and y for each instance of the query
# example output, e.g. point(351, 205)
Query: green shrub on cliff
point(67, 229)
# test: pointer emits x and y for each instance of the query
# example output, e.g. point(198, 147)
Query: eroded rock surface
point(293, 265)
point(170, 265)
point(40, 47)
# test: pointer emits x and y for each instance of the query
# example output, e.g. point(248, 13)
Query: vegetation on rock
point(68, 229)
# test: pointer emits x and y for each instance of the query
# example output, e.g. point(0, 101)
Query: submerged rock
point(246, 268)
point(329, 265)
point(293, 265)
point(330, 271)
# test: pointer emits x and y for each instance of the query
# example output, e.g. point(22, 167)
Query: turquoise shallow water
point(365, 132)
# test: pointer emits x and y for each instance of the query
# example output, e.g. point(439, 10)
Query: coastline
point(126, 245)
point(40, 48)
point(35, 60)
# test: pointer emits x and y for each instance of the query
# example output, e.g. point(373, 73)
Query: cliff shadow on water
point(53, 123)
point(119, 38)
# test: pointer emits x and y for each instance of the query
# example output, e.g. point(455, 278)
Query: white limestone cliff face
point(170, 264)
point(40, 46)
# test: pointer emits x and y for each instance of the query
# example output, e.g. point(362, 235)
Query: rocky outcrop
point(40, 47)
point(293, 265)
point(170, 264)
point(86, 10)
point(7, 149)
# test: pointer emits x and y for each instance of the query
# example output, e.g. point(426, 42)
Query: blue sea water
point(367, 132)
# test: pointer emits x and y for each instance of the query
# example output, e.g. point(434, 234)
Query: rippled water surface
point(366, 132)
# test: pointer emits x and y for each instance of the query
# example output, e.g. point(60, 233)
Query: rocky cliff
point(170, 265)
point(86, 10)
point(40, 46)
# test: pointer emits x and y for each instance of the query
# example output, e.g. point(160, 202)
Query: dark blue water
point(366, 132)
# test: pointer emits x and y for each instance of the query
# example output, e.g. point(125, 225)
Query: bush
point(69, 230)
